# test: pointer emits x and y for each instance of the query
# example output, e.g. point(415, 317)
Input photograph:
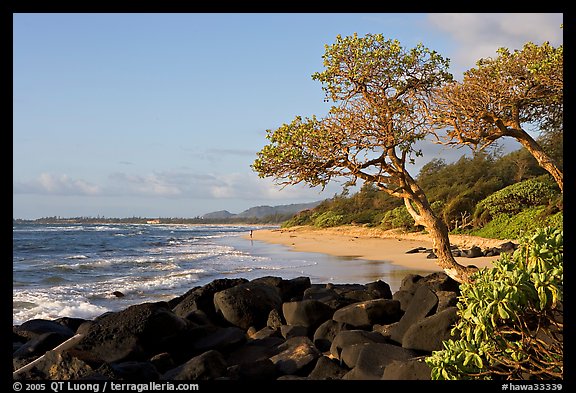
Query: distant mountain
point(220, 214)
point(262, 211)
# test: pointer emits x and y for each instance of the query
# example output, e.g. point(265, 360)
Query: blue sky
point(123, 115)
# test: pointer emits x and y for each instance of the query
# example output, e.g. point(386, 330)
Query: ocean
point(73, 270)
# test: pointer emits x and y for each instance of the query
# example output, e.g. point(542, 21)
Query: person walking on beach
point(250, 233)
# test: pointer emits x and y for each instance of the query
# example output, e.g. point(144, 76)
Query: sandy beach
point(373, 244)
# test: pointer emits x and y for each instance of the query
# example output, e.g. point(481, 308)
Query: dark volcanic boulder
point(356, 296)
point(131, 334)
point(263, 333)
point(163, 362)
point(372, 359)
point(350, 353)
point(36, 327)
point(423, 303)
point(320, 293)
point(296, 355)
point(287, 289)
point(385, 330)
point(202, 298)
point(188, 343)
point(416, 250)
point(437, 281)
point(508, 247)
point(274, 320)
point(365, 314)
point(255, 350)
point(404, 297)
point(135, 371)
point(71, 323)
point(222, 339)
point(327, 368)
point(271, 281)
point(349, 293)
point(324, 335)
point(260, 370)
point(289, 331)
point(309, 313)
point(409, 281)
point(380, 289)
point(247, 304)
point(474, 252)
point(36, 347)
point(294, 288)
point(492, 252)
point(429, 333)
point(446, 299)
point(208, 366)
point(342, 289)
point(351, 337)
point(411, 369)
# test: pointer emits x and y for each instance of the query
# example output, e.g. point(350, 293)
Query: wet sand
point(373, 245)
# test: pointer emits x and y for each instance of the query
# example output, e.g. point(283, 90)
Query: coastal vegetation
point(510, 322)
point(386, 98)
point(482, 195)
point(506, 96)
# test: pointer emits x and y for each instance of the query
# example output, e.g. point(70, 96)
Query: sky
point(161, 115)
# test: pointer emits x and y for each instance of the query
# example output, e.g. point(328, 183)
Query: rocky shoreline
point(268, 328)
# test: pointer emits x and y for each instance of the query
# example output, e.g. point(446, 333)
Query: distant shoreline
point(145, 221)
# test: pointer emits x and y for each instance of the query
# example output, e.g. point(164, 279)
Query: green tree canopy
point(506, 96)
point(381, 93)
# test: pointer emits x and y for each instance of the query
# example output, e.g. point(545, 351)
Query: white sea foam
point(77, 257)
point(94, 264)
point(42, 306)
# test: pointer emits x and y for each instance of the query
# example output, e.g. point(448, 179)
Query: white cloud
point(155, 184)
point(250, 186)
point(481, 34)
point(48, 183)
point(177, 185)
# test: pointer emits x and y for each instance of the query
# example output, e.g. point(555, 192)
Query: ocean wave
point(42, 306)
point(100, 227)
point(78, 277)
point(40, 228)
point(69, 267)
point(171, 280)
point(81, 256)
point(54, 280)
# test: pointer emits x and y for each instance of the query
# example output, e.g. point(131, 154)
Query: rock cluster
point(265, 329)
point(472, 252)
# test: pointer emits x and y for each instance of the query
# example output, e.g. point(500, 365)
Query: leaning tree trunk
point(543, 159)
point(440, 240)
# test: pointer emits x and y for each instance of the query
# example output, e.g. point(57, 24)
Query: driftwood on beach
point(268, 328)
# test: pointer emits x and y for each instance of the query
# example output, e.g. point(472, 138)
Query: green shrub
point(361, 217)
point(302, 218)
point(518, 196)
point(504, 226)
point(510, 317)
point(398, 218)
point(328, 219)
